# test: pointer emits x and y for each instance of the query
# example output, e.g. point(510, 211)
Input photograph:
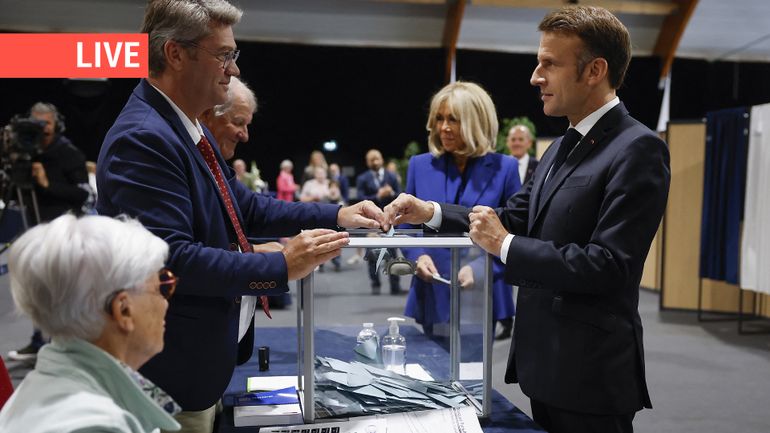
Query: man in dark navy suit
point(381, 187)
point(159, 165)
point(575, 238)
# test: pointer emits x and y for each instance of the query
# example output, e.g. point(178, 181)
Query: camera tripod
point(20, 190)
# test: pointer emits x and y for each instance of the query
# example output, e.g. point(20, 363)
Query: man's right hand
point(407, 209)
point(311, 248)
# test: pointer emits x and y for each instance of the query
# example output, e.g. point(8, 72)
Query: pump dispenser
point(394, 348)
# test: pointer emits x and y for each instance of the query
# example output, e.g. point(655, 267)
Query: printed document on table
point(454, 420)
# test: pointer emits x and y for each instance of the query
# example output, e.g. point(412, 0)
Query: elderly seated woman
point(97, 286)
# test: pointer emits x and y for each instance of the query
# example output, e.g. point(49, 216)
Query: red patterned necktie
point(208, 154)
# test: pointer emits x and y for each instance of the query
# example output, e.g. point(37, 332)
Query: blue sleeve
point(148, 175)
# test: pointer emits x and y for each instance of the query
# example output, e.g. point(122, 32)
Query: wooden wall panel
point(681, 235)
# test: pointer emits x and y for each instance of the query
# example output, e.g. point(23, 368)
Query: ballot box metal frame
point(306, 318)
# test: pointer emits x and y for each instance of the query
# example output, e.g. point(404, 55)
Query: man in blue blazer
point(381, 187)
point(157, 165)
point(575, 238)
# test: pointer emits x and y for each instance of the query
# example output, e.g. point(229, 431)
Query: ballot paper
point(355, 388)
point(383, 250)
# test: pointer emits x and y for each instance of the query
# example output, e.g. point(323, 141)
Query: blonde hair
point(475, 113)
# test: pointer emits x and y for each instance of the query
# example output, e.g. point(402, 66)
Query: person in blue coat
point(460, 168)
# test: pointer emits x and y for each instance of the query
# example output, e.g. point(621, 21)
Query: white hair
point(63, 272)
point(287, 163)
point(237, 88)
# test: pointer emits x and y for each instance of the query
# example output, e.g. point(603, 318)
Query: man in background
point(229, 122)
point(381, 187)
point(60, 183)
point(519, 142)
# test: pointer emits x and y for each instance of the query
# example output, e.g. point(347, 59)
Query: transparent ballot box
point(449, 365)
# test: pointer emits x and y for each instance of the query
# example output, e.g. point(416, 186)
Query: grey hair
point(287, 163)
point(523, 127)
point(44, 107)
point(237, 88)
point(182, 20)
point(63, 272)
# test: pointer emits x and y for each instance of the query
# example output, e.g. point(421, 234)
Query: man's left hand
point(486, 230)
point(364, 214)
point(38, 172)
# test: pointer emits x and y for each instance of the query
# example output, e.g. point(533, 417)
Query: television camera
point(20, 142)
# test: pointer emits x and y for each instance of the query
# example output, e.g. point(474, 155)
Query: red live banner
point(73, 55)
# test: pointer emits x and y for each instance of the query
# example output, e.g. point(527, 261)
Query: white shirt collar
point(585, 125)
point(194, 129)
point(523, 163)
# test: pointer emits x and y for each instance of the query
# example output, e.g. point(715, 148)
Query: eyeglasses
point(168, 282)
point(226, 58)
point(166, 288)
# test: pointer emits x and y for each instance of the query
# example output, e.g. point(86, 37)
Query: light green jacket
point(77, 387)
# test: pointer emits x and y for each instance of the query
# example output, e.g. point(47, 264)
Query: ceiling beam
point(641, 7)
point(671, 33)
point(454, 18)
point(425, 2)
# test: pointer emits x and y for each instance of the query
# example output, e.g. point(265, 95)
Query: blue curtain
point(724, 188)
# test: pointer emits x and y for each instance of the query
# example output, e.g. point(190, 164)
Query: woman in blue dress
point(461, 168)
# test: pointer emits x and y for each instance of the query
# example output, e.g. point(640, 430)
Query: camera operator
point(60, 182)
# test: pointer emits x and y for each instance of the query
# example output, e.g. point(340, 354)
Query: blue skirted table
point(428, 352)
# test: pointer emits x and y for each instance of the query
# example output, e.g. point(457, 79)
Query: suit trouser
point(555, 420)
point(198, 421)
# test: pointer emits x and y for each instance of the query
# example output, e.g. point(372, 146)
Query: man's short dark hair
point(602, 33)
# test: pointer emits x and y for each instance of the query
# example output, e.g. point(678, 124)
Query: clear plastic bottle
point(394, 348)
point(368, 333)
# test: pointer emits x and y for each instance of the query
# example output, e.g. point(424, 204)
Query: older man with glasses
point(161, 166)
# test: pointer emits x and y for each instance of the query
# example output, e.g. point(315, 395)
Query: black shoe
point(396, 291)
point(375, 289)
point(505, 334)
point(28, 353)
point(336, 267)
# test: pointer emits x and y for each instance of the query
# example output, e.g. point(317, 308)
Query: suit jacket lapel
point(148, 93)
point(591, 141)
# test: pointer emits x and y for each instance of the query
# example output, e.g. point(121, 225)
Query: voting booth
point(449, 368)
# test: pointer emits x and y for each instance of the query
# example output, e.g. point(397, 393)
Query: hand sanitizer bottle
point(394, 348)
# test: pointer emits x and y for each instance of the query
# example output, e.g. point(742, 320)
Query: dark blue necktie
point(568, 142)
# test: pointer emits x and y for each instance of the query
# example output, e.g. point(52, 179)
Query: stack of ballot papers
point(355, 388)
point(456, 420)
point(275, 407)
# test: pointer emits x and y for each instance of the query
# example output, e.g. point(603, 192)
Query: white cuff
point(435, 221)
point(504, 248)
